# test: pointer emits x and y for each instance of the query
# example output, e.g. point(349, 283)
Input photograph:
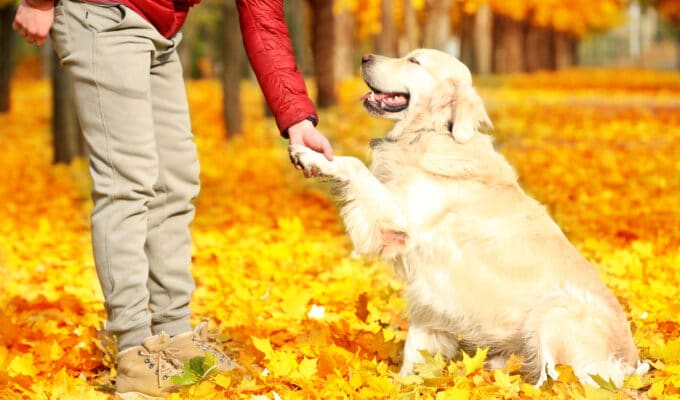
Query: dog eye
point(413, 60)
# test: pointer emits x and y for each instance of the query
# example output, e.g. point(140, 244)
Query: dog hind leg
point(577, 329)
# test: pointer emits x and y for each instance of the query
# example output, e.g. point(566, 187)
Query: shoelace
point(210, 336)
point(166, 360)
point(207, 340)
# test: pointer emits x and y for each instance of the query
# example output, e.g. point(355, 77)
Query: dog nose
point(366, 58)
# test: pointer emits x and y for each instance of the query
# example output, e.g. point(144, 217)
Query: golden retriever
point(484, 264)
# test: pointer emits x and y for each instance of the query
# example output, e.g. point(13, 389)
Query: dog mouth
point(385, 102)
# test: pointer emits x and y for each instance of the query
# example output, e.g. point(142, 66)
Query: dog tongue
point(391, 99)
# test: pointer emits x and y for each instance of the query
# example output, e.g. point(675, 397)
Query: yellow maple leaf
point(22, 365)
point(475, 363)
point(307, 367)
point(222, 380)
point(294, 302)
point(283, 364)
point(431, 367)
point(355, 380)
point(593, 393)
point(453, 394)
point(509, 385)
point(565, 374)
point(264, 346)
point(514, 363)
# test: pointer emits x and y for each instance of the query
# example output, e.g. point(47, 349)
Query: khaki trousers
point(132, 107)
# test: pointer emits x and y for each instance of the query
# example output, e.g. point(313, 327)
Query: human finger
point(327, 149)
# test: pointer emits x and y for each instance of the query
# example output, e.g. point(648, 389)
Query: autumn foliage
point(276, 273)
point(575, 16)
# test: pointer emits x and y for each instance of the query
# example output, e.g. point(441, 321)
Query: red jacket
point(267, 44)
point(166, 15)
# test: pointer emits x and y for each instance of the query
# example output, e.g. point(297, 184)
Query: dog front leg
point(372, 215)
point(432, 341)
point(341, 168)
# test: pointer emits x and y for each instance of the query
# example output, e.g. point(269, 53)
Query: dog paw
point(311, 162)
point(642, 368)
point(549, 371)
point(406, 369)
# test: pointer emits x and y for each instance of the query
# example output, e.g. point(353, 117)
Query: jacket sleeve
point(267, 43)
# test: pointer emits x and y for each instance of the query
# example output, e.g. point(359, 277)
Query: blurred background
point(584, 96)
point(329, 36)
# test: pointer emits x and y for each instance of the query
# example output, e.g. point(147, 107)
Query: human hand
point(34, 19)
point(304, 133)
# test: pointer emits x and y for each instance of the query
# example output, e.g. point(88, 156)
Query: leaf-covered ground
point(276, 273)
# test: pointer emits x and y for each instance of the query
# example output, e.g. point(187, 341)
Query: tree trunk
point(186, 48)
point(467, 41)
point(483, 39)
point(345, 62)
point(67, 137)
point(232, 61)
point(6, 43)
point(539, 49)
point(323, 47)
point(386, 40)
point(438, 25)
point(565, 49)
point(508, 38)
point(295, 12)
point(410, 39)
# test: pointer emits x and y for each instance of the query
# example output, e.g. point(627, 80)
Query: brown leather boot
point(145, 371)
point(198, 343)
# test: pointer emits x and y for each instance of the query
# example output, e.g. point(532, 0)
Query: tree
point(66, 134)
point(539, 48)
point(323, 49)
point(466, 33)
point(7, 13)
point(565, 49)
point(344, 65)
point(233, 57)
point(438, 25)
point(386, 40)
point(296, 15)
point(670, 11)
point(411, 37)
point(531, 34)
point(508, 39)
point(483, 39)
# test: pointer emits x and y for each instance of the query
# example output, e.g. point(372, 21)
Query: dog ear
point(469, 114)
point(457, 106)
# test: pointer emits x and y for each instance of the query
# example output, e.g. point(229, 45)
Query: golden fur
point(484, 264)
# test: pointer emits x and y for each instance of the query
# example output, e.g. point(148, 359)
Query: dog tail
point(576, 328)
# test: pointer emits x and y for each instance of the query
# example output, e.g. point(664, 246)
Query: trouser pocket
point(101, 17)
point(59, 33)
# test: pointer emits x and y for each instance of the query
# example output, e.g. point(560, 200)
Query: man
point(132, 107)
